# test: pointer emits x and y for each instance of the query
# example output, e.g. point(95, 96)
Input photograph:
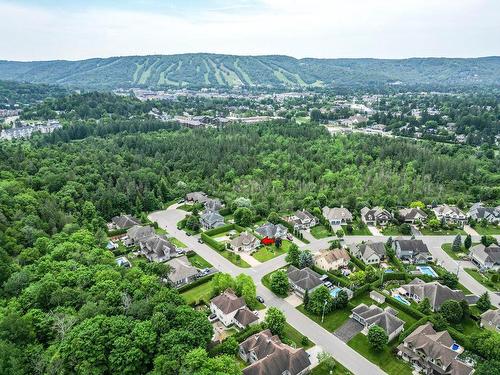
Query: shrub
point(358, 262)
point(211, 242)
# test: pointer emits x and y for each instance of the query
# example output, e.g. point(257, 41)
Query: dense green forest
point(212, 70)
point(65, 307)
point(20, 93)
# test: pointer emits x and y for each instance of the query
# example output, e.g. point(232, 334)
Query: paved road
point(356, 363)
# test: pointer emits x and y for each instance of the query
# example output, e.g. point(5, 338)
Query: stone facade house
point(138, 233)
point(431, 352)
point(330, 260)
point(157, 248)
point(267, 355)
point(197, 197)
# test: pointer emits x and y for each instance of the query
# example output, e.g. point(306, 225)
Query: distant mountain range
point(213, 70)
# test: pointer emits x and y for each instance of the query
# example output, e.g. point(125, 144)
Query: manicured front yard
point(384, 359)
point(199, 293)
point(177, 242)
point(234, 258)
point(321, 369)
point(485, 281)
point(457, 256)
point(319, 231)
point(332, 320)
point(392, 230)
point(199, 262)
point(292, 334)
point(357, 231)
point(266, 253)
point(490, 229)
point(160, 231)
point(426, 231)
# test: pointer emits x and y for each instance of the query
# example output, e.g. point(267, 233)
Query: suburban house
point(197, 197)
point(337, 215)
point(302, 220)
point(412, 215)
point(478, 212)
point(374, 315)
point(245, 242)
point(182, 271)
point(434, 291)
point(231, 309)
point(377, 297)
point(211, 219)
point(329, 260)
point(123, 222)
point(414, 251)
point(157, 248)
point(450, 214)
point(487, 258)
point(375, 216)
point(431, 352)
point(138, 233)
point(272, 231)
point(491, 320)
point(370, 252)
point(266, 354)
point(303, 279)
point(213, 205)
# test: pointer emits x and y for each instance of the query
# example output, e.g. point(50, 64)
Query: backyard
point(202, 292)
point(484, 280)
point(266, 253)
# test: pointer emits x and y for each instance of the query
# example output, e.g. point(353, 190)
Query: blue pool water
point(389, 271)
point(334, 292)
point(455, 347)
point(402, 300)
point(427, 270)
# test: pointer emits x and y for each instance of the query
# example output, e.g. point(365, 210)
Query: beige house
point(245, 242)
point(329, 260)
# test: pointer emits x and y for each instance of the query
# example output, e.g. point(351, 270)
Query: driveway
point(294, 300)
point(348, 330)
point(469, 230)
point(415, 231)
point(313, 355)
point(374, 231)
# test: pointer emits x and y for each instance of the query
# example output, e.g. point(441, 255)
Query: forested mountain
point(21, 93)
point(212, 70)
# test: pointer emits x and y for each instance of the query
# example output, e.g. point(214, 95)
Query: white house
point(450, 214)
point(231, 309)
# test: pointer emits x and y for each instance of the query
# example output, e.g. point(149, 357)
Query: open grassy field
point(266, 253)
point(385, 359)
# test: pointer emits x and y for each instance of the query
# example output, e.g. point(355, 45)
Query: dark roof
point(304, 278)
point(414, 246)
point(274, 357)
point(228, 302)
point(245, 316)
point(369, 248)
point(272, 230)
point(125, 221)
point(411, 213)
point(434, 291)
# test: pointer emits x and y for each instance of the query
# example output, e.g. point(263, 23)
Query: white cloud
point(314, 28)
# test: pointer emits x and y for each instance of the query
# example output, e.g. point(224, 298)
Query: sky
point(80, 29)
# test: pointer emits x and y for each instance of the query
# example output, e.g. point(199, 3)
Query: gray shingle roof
point(125, 221)
point(434, 291)
point(272, 230)
point(227, 302)
point(245, 316)
point(411, 213)
point(304, 278)
point(181, 269)
point(369, 248)
point(337, 213)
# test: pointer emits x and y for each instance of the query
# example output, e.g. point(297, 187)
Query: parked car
point(289, 237)
point(328, 284)
point(212, 318)
point(260, 299)
point(188, 234)
point(200, 240)
point(181, 201)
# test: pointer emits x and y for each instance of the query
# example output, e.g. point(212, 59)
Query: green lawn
point(160, 231)
point(234, 258)
point(357, 231)
point(338, 370)
point(319, 231)
point(391, 230)
point(302, 120)
point(447, 247)
point(199, 293)
point(426, 231)
point(491, 229)
point(383, 359)
point(468, 327)
point(292, 334)
point(485, 281)
point(199, 262)
point(186, 207)
point(266, 253)
point(177, 243)
point(332, 320)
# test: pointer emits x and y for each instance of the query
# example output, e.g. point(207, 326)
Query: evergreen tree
point(468, 242)
point(457, 244)
point(484, 303)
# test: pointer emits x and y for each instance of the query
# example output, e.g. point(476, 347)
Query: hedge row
point(395, 276)
point(361, 290)
point(225, 211)
point(218, 230)
point(216, 245)
point(394, 259)
point(401, 306)
point(358, 262)
point(195, 283)
point(247, 332)
point(332, 277)
point(460, 338)
point(412, 328)
point(117, 232)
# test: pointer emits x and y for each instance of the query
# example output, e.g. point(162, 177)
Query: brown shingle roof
point(228, 302)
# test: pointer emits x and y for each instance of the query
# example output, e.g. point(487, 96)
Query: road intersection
point(168, 219)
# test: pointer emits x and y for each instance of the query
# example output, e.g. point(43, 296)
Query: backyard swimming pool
point(402, 300)
point(427, 270)
point(334, 292)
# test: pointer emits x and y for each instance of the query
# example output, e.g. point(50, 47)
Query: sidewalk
point(374, 231)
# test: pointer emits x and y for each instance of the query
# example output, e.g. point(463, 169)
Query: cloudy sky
point(78, 29)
